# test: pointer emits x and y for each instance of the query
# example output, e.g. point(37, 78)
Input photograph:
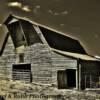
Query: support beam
point(77, 79)
point(79, 76)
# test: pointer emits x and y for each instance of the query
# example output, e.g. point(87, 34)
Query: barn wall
point(6, 60)
point(60, 62)
point(44, 63)
point(39, 57)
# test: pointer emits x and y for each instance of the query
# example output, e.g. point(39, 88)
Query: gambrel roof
point(53, 38)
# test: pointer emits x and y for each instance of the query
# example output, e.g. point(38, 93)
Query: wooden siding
point(39, 57)
point(60, 62)
point(6, 60)
point(44, 62)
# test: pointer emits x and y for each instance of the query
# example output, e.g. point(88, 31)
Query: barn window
point(21, 57)
point(22, 72)
point(66, 78)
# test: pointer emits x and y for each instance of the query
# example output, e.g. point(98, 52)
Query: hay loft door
point(66, 78)
point(22, 72)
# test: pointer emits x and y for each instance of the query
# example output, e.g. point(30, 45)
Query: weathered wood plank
point(44, 63)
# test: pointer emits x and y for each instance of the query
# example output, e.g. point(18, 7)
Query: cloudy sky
point(76, 18)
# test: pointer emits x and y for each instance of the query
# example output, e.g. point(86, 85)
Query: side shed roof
point(75, 55)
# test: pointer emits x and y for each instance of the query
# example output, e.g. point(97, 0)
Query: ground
point(10, 90)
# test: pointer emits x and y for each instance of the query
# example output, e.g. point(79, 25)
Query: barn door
point(62, 79)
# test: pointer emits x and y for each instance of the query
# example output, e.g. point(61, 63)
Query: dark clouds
point(77, 18)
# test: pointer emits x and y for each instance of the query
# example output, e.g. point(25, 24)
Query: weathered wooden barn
point(34, 53)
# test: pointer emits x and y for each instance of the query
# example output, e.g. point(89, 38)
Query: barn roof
point(75, 55)
point(54, 38)
point(62, 42)
point(3, 38)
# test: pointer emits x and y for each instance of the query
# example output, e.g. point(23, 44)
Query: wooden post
point(39, 33)
point(77, 79)
point(79, 76)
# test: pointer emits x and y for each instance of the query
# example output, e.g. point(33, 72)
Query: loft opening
point(66, 78)
point(22, 72)
point(22, 32)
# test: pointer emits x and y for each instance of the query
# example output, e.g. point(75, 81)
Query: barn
point(31, 52)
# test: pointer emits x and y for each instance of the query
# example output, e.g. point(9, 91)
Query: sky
point(79, 19)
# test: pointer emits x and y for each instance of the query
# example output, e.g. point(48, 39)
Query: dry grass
point(43, 92)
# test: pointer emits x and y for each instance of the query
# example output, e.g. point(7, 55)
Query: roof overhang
point(75, 55)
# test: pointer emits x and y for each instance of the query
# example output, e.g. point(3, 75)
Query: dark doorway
point(22, 72)
point(66, 78)
point(71, 78)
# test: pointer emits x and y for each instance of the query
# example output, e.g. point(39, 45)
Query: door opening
point(71, 78)
point(22, 72)
point(66, 78)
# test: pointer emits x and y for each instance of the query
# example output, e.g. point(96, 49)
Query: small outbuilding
point(34, 53)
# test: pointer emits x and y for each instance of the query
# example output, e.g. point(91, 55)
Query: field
point(10, 90)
